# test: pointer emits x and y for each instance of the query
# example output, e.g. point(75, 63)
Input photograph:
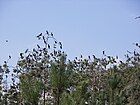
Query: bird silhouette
point(47, 32)
point(55, 41)
point(9, 57)
point(103, 52)
point(38, 46)
point(51, 34)
point(137, 44)
point(88, 57)
point(26, 51)
point(60, 43)
point(39, 35)
point(137, 17)
point(61, 47)
point(48, 46)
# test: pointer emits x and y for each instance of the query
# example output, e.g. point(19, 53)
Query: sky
point(84, 27)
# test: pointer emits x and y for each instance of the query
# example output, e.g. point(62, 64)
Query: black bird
point(9, 57)
point(94, 56)
point(60, 46)
point(88, 57)
point(6, 40)
point(38, 46)
point(48, 46)
point(47, 32)
point(55, 41)
point(103, 52)
point(39, 35)
point(51, 34)
point(137, 17)
point(21, 55)
point(121, 62)
point(26, 51)
point(137, 44)
point(60, 43)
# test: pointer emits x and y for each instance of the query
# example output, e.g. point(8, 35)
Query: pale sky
point(83, 26)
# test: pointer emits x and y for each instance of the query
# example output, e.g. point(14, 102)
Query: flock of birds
point(51, 34)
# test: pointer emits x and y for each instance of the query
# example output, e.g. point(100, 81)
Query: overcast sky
point(83, 26)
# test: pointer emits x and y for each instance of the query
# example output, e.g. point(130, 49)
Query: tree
point(44, 76)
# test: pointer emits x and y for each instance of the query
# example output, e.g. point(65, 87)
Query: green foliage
point(31, 89)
